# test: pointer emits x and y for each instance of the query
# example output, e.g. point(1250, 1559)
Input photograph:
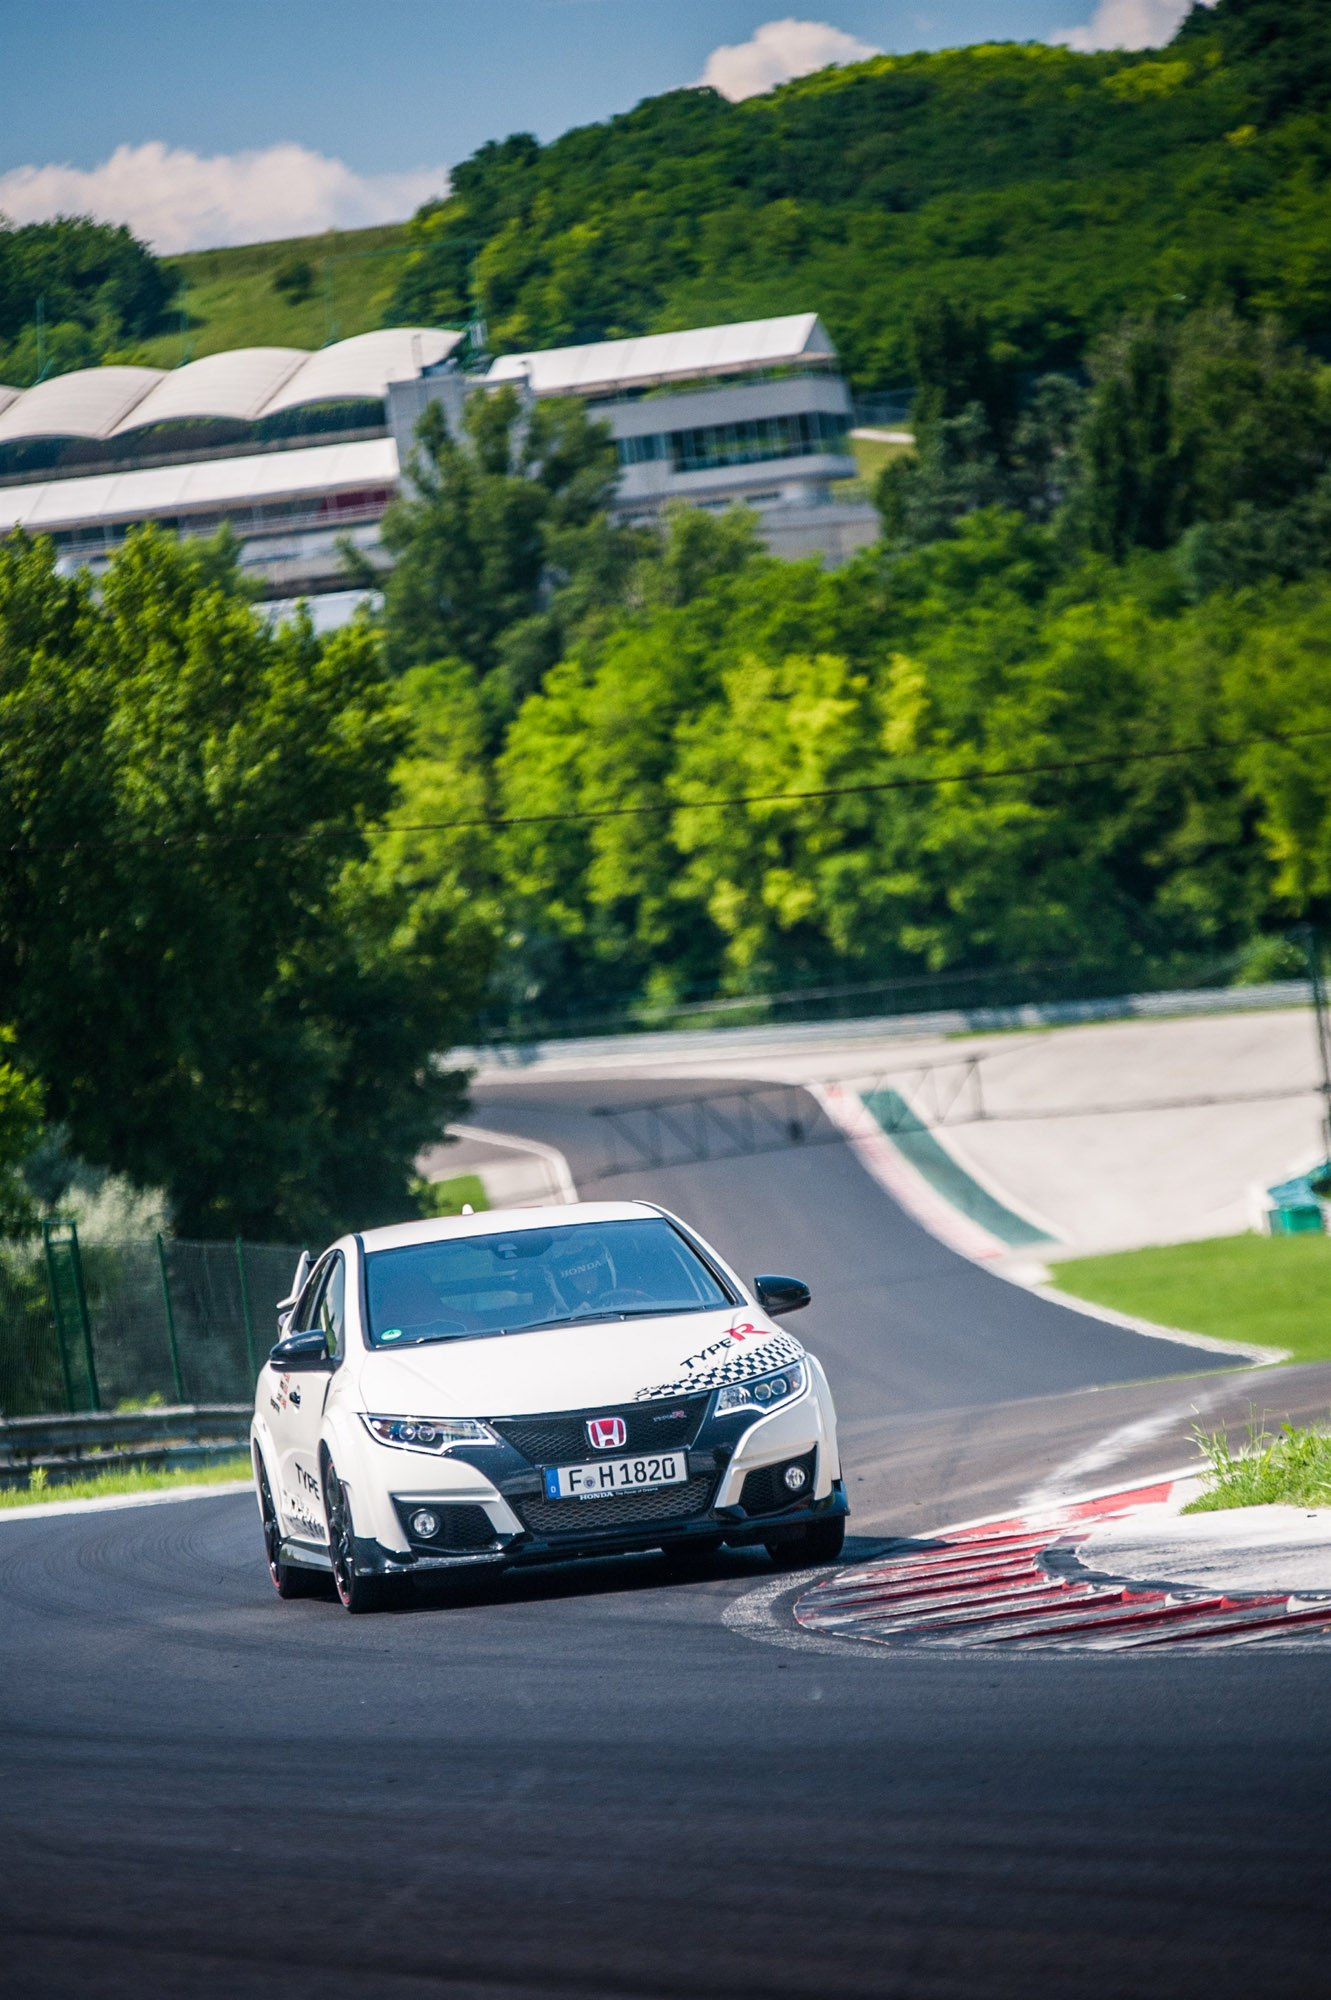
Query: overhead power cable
point(931, 781)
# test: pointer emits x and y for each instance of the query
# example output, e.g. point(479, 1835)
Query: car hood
point(574, 1367)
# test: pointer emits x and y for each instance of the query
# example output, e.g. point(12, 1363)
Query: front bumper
point(731, 1525)
point(493, 1509)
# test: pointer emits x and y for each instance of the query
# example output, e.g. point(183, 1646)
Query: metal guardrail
point(734, 1123)
point(68, 1446)
point(634, 1044)
point(742, 1120)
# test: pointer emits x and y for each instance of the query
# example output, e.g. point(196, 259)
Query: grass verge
point(134, 1479)
point(448, 1197)
point(872, 454)
point(1274, 1290)
point(1292, 1469)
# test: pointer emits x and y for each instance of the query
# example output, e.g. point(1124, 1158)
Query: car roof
point(502, 1221)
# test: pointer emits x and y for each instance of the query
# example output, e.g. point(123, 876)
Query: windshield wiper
point(609, 1313)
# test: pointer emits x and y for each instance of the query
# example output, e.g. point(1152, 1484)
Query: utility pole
point(1306, 936)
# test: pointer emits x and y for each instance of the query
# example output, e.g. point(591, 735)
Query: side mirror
point(302, 1352)
point(781, 1295)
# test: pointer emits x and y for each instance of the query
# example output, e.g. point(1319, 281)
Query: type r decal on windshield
point(767, 1353)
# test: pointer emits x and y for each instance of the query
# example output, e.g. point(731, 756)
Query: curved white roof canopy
point(363, 367)
point(655, 358)
point(246, 383)
point(237, 384)
point(87, 404)
point(212, 483)
point(7, 395)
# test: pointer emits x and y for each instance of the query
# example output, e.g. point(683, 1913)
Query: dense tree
point(954, 366)
point(502, 543)
point(20, 1129)
point(1136, 468)
point(221, 993)
point(94, 286)
point(1055, 191)
point(959, 466)
point(1282, 48)
point(982, 650)
point(1191, 420)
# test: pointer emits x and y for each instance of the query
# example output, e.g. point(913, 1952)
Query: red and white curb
point(1015, 1583)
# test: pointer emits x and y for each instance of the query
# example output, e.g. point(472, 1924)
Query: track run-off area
point(607, 1780)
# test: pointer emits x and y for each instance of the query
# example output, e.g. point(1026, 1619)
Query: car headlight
point(432, 1434)
point(765, 1391)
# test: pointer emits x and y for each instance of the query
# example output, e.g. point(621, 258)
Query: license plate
point(615, 1475)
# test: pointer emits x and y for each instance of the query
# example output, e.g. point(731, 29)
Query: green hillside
point(298, 293)
point(1054, 190)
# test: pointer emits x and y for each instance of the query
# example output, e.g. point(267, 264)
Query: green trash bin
point(1295, 1209)
point(1296, 1219)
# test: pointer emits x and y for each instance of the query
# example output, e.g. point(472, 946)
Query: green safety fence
point(106, 1326)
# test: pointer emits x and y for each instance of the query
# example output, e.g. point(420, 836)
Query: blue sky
point(390, 94)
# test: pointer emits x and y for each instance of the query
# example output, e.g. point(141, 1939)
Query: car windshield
point(532, 1278)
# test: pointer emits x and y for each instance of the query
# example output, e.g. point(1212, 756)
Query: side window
point(332, 1308)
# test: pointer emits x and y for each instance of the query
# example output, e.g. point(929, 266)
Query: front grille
point(463, 1528)
point(561, 1438)
point(582, 1517)
point(765, 1489)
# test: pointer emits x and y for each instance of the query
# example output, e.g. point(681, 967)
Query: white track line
point(1261, 1357)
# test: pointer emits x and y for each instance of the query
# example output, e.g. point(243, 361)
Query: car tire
point(289, 1579)
point(356, 1591)
point(819, 1542)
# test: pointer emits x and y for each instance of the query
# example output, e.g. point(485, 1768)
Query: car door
point(301, 1394)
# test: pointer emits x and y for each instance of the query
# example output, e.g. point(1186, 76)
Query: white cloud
point(178, 200)
point(1127, 24)
point(778, 51)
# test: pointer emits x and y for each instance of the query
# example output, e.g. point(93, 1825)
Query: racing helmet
point(582, 1267)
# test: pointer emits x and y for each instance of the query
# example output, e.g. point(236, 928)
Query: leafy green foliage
point(99, 289)
point(20, 1129)
point(986, 650)
point(983, 641)
point(1205, 425)
point(1282, 46)
point(1292, 1469)
point(953, 365)
point(504, 542)
point(221, 994)
point(1054, 191)
point(1190, 421)
point(294, 280)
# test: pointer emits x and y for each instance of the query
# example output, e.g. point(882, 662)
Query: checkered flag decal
point(774, 1352)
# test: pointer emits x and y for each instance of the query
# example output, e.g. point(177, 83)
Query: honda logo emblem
point(607, 1433)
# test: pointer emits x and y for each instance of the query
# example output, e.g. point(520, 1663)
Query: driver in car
point(586, 1277)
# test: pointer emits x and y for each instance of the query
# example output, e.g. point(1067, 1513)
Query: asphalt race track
point(901, 1323)
point(584, 1781)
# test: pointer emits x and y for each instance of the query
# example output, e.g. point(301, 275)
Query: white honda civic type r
point(535, 1384)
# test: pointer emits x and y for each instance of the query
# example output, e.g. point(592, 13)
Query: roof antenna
point(467, 1208)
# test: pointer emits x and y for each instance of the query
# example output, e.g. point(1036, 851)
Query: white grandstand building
point(297, 450)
